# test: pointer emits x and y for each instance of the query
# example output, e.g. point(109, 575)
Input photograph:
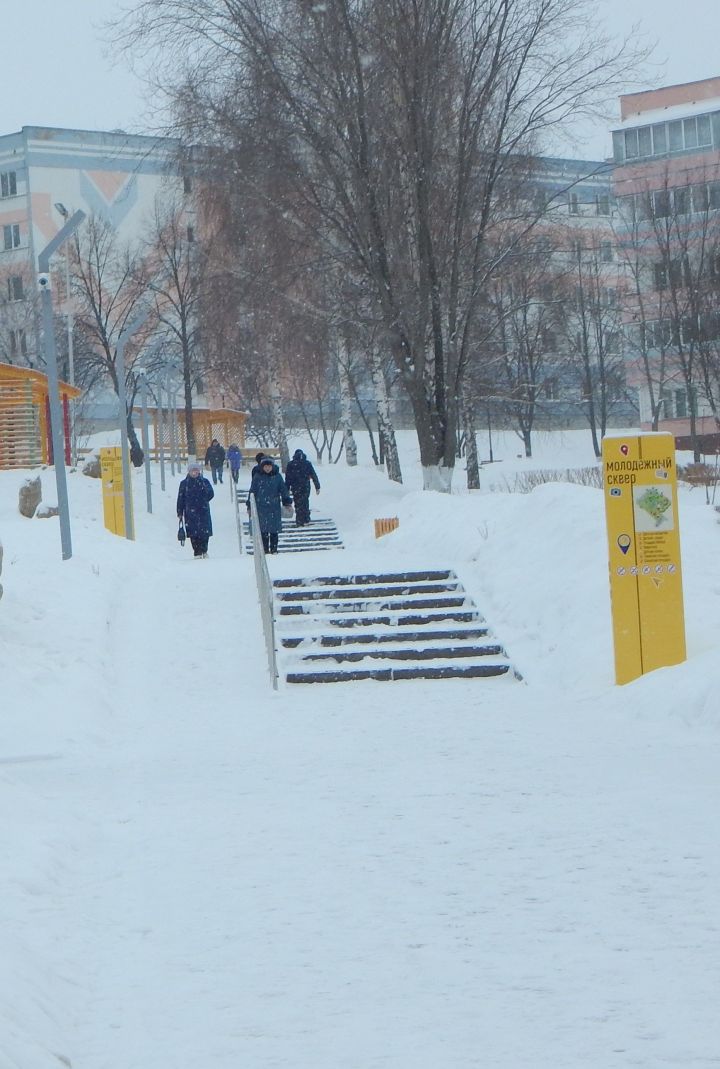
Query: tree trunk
point(346, 406)
point(278, 412)
point(527, 441)
point(471, 451)
point(386, 431)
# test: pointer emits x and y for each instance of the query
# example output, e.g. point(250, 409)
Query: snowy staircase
point(318, 534)
point(402, 625)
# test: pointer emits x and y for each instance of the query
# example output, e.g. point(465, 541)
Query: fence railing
point(265, 590)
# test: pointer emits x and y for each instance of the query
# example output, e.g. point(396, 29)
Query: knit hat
point(194, 465)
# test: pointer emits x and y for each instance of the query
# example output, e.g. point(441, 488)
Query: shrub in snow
point(91, 467)
point(45, 511)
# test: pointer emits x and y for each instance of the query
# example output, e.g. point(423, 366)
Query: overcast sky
point(56, 70)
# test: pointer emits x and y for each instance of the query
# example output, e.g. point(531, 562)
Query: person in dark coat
point(271, 493)
point(235, 460)
point(256, 468)
point(193, 507)
point(298, 474)
point(214, 459)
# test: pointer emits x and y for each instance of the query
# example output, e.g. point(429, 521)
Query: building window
point(574, 204)
point(606, 252)
point(682, 200)
point(609, 297)
point(15, 288)
point(191, 233)
point(577, 249)
point(675, 136)
point(700, 199)
point(631, 144)
point(659, 137)
point(18, 343)
point(11, 236)
point(612, 342)
point(602, 204)
point(660, 203)
point(550, 389)
point(187, 184)
point(714, 195)
point(8, 184)
point(681, 407)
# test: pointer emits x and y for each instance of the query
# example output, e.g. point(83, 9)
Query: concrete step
point(367, 580)
point(397, 635)
point(340, 592)
point(427, 653)
point(335, 605)
point(315, 621)
point(396, 672)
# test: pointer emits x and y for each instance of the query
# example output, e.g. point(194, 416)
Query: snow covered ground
point(199, 872)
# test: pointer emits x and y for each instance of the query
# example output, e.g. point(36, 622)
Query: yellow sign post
point(640, 488)
point(113, 490)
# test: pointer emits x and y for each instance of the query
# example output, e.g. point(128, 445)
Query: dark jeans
point(200, 545)
point(270, 541)
point(301, 499)
point(216, 473)
point(235, 472)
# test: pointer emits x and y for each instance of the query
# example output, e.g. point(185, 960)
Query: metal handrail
point(238, 518)
point(265, 591)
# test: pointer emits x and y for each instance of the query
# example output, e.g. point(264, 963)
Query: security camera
point(43, 282)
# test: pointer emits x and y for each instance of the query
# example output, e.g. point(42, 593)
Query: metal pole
point(56, 420)
point(161, 432)
point(122, 416)
point(56, 423)
point(170, 422)
point(146, 438)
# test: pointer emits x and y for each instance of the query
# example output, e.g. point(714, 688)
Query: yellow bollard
point(113, 490)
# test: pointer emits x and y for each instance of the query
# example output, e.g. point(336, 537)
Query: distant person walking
point(235, 459)
point(298, 475)
point(193, 508)
point(214, 459)
point(271, 493)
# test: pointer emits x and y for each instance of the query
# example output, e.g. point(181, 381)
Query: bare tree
point(109, 284)
point(403, 124)
point(172, 273)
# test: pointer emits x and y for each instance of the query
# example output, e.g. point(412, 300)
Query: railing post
point(265, 593)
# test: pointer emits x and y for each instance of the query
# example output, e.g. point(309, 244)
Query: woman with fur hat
point(193, 504)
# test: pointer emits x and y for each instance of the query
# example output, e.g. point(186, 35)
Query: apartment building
point(666, 179)
point(45, 171)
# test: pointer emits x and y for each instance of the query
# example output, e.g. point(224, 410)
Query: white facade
point(114, 175)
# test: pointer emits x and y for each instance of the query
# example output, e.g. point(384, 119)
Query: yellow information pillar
point(640, 487)
point(113, 490)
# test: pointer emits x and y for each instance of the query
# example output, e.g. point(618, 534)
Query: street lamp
point(44, 280)
point(59, 207)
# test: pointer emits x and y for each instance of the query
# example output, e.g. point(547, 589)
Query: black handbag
point(181, 533)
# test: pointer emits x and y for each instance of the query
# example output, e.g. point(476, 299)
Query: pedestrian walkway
point(402, 625)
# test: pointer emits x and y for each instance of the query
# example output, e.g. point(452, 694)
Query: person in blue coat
point(193, 507)
point(235, 459)
point(298, 475)
point(271, 493)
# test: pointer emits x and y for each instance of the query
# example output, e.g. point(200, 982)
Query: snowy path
point(321, 879)
point(376, 876)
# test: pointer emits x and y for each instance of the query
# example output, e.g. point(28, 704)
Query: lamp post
point(70, 338)
point(56, 423)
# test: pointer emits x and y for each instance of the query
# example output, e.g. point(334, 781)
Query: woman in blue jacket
point(193, 505)
point(271, 493)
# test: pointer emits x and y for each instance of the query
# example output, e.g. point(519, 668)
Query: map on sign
point(653, 508)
